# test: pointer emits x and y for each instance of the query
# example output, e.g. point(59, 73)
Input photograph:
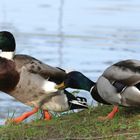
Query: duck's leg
point(23, 116)
point(111, 114)
point(47, 115)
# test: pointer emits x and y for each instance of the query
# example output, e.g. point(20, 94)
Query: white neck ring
point(7, 55)
point(91, 89)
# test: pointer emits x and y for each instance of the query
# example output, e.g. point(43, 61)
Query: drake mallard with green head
point(9, 76)
point(118, 85)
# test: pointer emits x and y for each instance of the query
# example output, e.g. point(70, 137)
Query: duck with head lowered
point(118, 85)
point(32, 82)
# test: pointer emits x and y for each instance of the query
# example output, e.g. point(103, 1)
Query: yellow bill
point(60, 86)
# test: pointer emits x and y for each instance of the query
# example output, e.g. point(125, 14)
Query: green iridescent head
point(7, 42)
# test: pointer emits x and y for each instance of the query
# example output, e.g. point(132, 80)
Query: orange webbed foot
point(47, 115)
point(22, 117)
point(110, 115)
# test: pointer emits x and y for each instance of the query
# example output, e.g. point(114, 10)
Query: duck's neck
point(87, 84)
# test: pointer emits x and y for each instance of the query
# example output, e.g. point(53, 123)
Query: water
point(84, 35)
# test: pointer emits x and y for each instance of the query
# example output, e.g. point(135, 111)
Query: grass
point(81, 125)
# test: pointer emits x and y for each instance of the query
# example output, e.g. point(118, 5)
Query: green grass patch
point(81, 125)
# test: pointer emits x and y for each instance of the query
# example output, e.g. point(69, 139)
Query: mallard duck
point(118, 85)
point(9, 76)
point(36, 86)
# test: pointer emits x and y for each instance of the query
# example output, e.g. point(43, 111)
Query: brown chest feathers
point(9, 77)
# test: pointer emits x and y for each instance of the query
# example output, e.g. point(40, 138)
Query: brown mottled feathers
point(37, 67)
point(9, 77)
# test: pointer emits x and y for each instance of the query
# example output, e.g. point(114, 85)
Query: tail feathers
point(82, 99)
point(78, 103)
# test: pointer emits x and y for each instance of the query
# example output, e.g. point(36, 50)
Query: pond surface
point(84, 35)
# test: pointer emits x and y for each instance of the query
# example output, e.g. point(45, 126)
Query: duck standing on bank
point(118, 85)
point(32, 82)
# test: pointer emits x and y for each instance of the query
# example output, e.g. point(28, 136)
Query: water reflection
point(61, 33)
